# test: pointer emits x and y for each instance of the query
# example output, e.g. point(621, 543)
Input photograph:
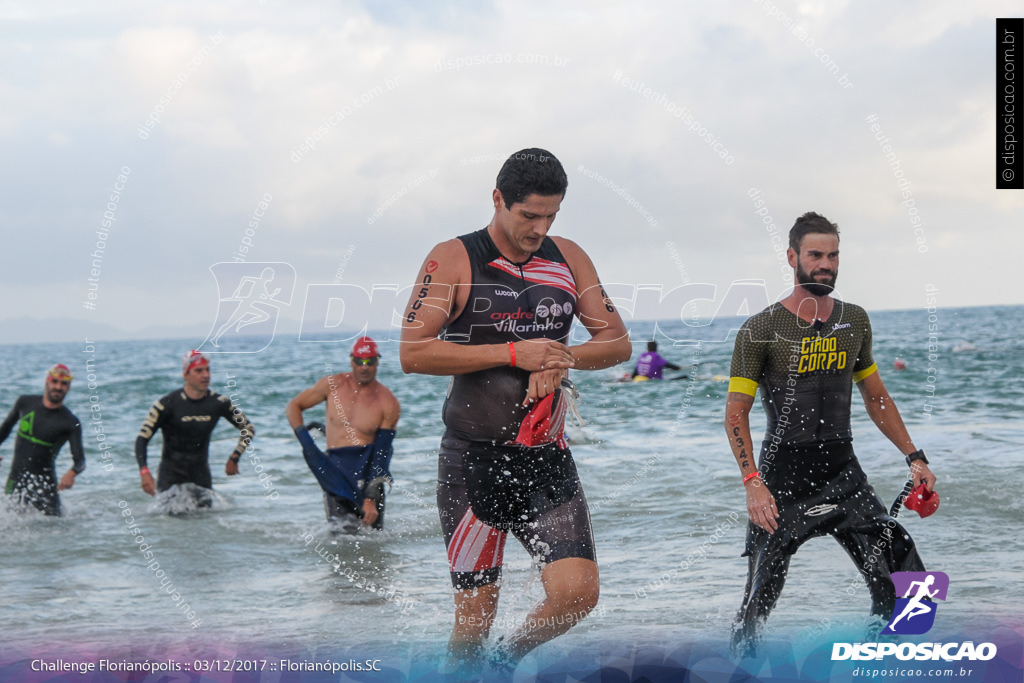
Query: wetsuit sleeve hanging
point(380, 459)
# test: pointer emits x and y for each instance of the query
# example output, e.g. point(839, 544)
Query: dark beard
point(814, 287)
point(817, 288)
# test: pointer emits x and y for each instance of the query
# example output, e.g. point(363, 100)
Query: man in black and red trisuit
point(493, 309)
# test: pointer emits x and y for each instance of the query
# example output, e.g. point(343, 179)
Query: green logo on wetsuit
point(27, 426)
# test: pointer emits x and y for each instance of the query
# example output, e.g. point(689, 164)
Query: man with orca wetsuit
point(186, 417)
point(493, 309)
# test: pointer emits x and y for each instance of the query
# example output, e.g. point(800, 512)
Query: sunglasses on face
point(365, 361)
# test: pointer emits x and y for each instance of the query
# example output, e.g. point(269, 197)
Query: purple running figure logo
point(916, 593)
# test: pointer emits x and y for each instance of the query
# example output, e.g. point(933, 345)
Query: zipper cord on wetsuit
point(526, 289)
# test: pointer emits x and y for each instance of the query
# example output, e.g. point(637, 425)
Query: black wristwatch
point(916, 455)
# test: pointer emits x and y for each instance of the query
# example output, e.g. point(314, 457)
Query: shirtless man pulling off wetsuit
point(362, 415)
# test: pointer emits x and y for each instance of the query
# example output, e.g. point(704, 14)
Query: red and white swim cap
point(191, 360)
point(365, 348)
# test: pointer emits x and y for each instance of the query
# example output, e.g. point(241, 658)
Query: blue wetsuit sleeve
point(306, 439)
point(380, 459)
point(333, 474)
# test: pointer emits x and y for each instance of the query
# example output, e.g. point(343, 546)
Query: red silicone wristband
point(751, 476)
point(511, 354)
point(144, 470)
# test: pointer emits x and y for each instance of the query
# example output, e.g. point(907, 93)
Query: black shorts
point(475, 548)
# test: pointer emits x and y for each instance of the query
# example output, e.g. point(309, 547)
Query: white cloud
point(86, 78)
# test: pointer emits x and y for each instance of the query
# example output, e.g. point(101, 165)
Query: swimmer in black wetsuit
point(186, 417)
point(44, 425)
point(493, 309)
point(805, 353)
point(362, 416)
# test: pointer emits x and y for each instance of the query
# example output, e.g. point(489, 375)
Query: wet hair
point(808, 223)
point(531, 171)
point(652, 346)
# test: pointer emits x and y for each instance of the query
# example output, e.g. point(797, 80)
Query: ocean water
point(259, 571)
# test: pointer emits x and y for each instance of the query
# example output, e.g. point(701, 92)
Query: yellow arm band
point(866, 372)
point(742, 385)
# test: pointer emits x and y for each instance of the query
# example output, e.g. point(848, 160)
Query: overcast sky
point(373, 130)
